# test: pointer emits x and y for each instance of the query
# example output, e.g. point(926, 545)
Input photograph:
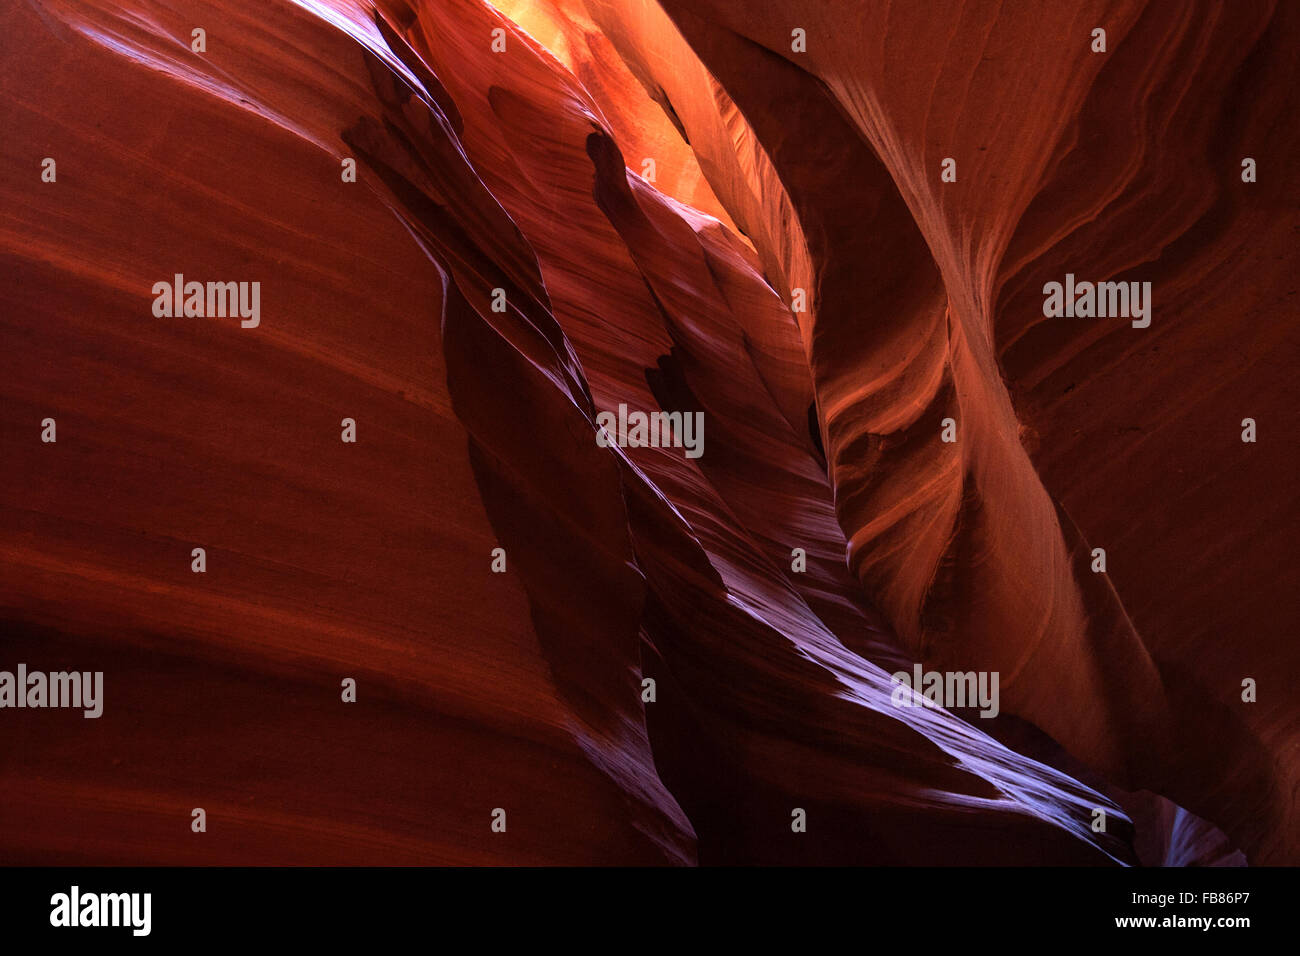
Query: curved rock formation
point(688, 658)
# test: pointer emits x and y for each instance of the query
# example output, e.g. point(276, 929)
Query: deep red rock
point(776, 171)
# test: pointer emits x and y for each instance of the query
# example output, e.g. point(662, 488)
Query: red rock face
point(655, 676)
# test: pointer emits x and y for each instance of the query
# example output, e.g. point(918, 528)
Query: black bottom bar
point(994, 907)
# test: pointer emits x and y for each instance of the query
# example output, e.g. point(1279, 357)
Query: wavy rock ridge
point(498, 149)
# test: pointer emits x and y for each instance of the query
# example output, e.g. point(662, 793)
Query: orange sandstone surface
point(791, 266)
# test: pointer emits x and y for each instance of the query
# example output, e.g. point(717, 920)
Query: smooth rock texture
point(513, 175)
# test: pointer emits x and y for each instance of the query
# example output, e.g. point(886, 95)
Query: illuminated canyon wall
point(334, 345)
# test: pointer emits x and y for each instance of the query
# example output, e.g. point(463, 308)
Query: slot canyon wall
point(822, 229)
